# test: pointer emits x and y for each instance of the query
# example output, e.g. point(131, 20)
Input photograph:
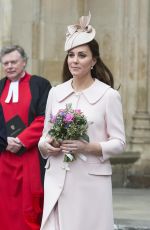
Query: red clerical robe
point(21, 190)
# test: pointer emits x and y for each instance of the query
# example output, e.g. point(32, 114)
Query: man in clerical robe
point(24, 96)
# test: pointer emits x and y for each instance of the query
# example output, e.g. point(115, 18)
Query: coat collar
point(94, 93)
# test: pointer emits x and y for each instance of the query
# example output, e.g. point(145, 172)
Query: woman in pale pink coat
point(81, 198)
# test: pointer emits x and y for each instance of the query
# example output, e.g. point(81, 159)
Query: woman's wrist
point(94, 148)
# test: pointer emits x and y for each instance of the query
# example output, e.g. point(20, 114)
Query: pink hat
point(79, 34)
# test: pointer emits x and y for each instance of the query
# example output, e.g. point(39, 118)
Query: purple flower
point(53, 118)
point(69, 118)
point(62, 113)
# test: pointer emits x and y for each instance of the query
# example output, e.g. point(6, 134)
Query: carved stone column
point(5, 23)
point(139, 173)
point(141, 119)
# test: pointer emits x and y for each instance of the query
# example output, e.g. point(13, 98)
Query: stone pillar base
point(138, 175)
point(120, 167)
point(141, 129)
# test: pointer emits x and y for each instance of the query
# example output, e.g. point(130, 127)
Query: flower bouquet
point(69, 124)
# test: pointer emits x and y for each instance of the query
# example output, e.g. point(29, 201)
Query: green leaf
point(85, 137)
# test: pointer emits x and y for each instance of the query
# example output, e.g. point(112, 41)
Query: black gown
point(3, 135)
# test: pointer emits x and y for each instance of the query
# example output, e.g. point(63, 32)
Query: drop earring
point(91, 67)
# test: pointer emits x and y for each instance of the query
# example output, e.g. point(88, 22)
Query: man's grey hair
point(8, 49)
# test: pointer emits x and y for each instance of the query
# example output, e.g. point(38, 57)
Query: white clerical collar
point(13, 92)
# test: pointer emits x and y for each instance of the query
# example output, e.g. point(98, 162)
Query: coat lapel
point(92, 94)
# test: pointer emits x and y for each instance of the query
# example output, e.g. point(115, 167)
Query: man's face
point(13, 65)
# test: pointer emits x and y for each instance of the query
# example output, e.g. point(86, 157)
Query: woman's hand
point(74, 146)
point(81, 146)
point(46, 147)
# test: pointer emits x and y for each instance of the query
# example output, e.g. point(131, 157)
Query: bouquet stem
point(69, 157)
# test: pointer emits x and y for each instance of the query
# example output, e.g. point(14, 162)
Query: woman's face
point(80, 61)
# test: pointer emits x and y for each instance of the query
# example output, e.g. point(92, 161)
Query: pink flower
point(53, 119)
point(60, 110)
point(68, 118)
point(78, 111)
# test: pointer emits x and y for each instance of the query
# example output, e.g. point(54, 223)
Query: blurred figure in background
point(23, 97)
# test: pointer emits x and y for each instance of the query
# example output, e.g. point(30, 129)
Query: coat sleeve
point(48, 112)
point(46, 121)
point(3, 133)
point(115, 144)
point(31, 135)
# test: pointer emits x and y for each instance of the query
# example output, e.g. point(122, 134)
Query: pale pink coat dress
point(81, 198)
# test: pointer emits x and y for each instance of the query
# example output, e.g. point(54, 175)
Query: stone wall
point(123, 34)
